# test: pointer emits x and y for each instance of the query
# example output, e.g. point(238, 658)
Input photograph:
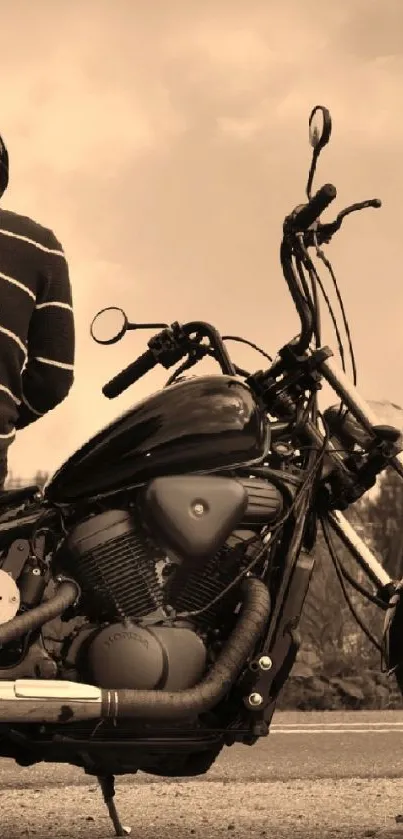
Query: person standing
point(37, 335)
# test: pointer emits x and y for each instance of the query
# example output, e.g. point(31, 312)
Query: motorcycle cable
point(39, 528)
point(194, 359)
point(312, 298)
point(299, 247)
point(368, 595)
point(343, 409)
point(340, 575)
point(199, 351)
point(323, 233)
point(316, 281)
point(249, 344)
point(322, 256)
point(305, 487)
point(196, 354)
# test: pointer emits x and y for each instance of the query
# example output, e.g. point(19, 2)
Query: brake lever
point(361, 205)
point(321, 234)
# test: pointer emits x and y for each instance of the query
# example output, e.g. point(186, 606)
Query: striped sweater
point(37, 340)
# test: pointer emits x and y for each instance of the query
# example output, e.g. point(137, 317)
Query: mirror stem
point(312, 170)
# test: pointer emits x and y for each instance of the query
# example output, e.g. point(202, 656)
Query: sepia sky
point(164, 142)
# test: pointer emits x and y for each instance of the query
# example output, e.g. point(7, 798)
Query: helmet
point(3, 167)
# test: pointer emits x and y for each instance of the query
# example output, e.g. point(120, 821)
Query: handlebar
point(303, 217)
point(298, 222)
point(168, 347)
point(294, 246)
point(304, 311)
point(131, 374)
point(174, 343)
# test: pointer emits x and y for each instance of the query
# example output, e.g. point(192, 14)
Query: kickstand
point(107, 784)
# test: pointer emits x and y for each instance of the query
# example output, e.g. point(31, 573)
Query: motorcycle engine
point(135, 580)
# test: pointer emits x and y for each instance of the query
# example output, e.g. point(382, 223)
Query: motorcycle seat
point(8, 497)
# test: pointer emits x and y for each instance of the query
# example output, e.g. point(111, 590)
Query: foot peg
point(107, 785)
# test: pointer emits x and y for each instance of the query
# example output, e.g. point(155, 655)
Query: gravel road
point(318, 776)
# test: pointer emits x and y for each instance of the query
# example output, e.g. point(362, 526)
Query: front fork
point(276, 658)
point(373, 569)
point(362, 412)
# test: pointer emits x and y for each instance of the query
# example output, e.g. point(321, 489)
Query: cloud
point(71, 121)
point(165, 142)
point(371, 30)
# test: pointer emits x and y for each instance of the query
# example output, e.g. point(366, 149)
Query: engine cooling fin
point(126, 572)
point(114, 564)
point(204, 586)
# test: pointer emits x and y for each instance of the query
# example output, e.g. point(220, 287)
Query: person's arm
point(49, 371)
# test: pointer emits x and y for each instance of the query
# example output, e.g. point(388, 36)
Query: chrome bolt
point(255, 699)
point(265, 662)
point(199, 509)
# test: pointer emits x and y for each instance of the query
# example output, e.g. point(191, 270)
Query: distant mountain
point(388, 413)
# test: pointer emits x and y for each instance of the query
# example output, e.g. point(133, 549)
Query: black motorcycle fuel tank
point(199, 424)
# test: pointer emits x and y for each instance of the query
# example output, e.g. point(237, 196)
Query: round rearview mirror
point(109, 325)
point(320, 127)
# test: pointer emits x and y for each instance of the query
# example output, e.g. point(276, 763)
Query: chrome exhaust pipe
point(50, 700)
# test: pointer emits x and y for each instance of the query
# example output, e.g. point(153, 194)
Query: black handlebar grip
point(130, 375)
point(308, 214)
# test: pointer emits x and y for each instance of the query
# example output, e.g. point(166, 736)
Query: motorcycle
point(176, 547)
